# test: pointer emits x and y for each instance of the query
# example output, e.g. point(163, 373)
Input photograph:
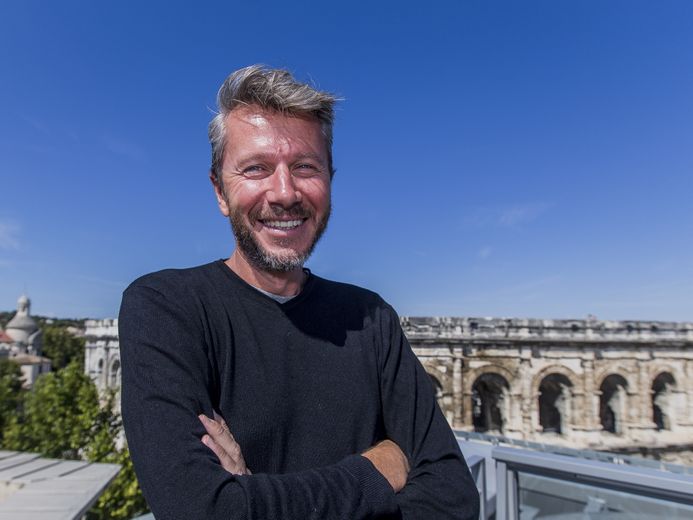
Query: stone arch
point(662, 389)
point(114, 374)
point(555, 369)
point(613, 404)
point(474, 374)
point(437, 386)
point(555, 403)
point(657, 368)
point(630, 379)
point(490, 402)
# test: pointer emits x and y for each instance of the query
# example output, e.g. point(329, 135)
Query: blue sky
point(530, 159)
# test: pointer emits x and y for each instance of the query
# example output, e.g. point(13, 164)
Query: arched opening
point(662, 389)
point(554, 403)
point(437, 387)
point(490, 403)
point(114, 379)
point(612, 403)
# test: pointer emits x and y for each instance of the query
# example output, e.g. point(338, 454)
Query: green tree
point(63, 417)
point(10, 392)
point(61, 346)
point(5, 317)
point(59, 414)
point(123, 498)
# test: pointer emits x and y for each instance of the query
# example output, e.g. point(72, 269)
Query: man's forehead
point(249, 116)
point(261, 118)
point(252, 131)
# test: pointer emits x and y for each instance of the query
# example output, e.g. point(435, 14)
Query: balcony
point(520, 480)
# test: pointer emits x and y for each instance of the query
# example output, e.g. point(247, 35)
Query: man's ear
point(219, 192)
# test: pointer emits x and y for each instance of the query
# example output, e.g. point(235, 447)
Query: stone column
point(527, 401)
point(686, 387)
point(644, 420)
point(465, 399)
point(588, 416)
point(458, 402)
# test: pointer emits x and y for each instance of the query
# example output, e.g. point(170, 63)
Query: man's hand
point(390, 461)
point(221, 442)
point(386, 456)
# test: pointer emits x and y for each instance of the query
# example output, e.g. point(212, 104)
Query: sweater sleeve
point(439, 485)
point(166, 380)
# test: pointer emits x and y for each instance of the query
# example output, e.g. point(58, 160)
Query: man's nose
point(283, 190)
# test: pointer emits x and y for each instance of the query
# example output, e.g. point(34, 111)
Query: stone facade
point(102, 353)
point(582, 383)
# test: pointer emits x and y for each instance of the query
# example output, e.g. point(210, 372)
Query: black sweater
point(304, 386)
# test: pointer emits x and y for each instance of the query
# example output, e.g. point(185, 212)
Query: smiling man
point(329, 413)
point(274, 185)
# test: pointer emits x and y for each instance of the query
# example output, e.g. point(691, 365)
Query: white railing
point(532, 484)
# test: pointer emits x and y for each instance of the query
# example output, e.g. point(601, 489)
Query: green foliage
point(59, 415)
point(5, 317)
point(61, 346)
point(63, 417)
point(44, 321)
point(123, 498)
point(10, 392)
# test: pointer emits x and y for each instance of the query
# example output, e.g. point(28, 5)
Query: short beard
point(265, 260)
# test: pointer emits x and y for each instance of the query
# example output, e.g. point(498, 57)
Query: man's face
point(275, 186)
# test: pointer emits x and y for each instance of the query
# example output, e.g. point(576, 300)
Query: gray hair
point(270, 89)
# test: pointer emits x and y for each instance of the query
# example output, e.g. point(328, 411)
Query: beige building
point(581, 383)
point(102, 353)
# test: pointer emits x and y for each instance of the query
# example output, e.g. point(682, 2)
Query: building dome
point(22, 326)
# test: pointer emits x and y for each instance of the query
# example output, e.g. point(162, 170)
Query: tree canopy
point(62, 346)
point(10, 392)
point(63, 416)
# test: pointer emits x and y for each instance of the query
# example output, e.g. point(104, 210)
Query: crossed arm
point(386, 456)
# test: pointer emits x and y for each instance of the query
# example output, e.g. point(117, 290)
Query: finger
point(226, 461)
point(219, 427)
point(223, 424)
point(222, 436)
point(219, 418)
point(214, 428)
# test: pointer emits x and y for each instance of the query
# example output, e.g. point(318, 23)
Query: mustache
point(298, 211)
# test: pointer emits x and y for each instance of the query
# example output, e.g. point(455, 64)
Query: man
point(330, 414)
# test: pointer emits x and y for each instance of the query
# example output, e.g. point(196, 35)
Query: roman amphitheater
point(607, 385)
point(581, 383)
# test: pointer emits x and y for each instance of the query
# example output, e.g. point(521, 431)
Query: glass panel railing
point(546, 498)
point(545, 486)
point(477, 467)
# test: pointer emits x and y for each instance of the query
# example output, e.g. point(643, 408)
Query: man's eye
point(306, 169)
point(255, 170)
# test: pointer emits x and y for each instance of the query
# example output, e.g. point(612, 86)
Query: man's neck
point(281, 284)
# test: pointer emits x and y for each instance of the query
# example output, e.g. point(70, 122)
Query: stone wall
point(584, 383)
point(102, 353)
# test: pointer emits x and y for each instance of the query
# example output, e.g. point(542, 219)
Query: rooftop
point(537, 330)
point(37, 488)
